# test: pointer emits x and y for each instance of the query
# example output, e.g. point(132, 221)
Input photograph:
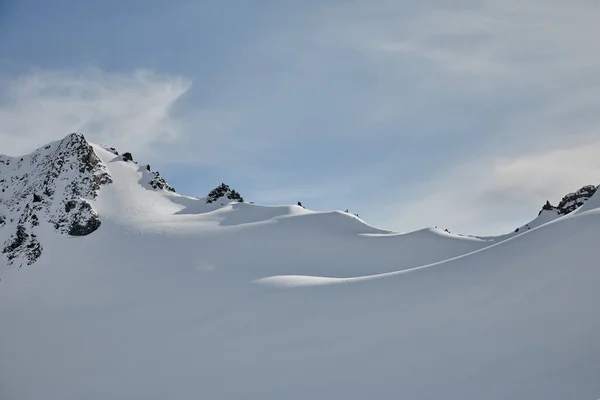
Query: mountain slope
point(175, 298)
point(569, 204)
point(50, 185)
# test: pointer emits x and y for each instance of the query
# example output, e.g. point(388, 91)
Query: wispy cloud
point(491, 195)
point(523, 73)
point(129, 110)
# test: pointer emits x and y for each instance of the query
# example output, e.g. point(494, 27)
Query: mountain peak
point(58, 184)
point(571, 201)
point(53, 185)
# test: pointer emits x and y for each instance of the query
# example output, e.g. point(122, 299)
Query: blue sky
point(466, 116)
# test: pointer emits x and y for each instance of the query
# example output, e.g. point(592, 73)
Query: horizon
point(463, 117)
point(108, 146)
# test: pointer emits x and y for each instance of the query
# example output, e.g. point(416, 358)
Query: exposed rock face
point(53, 185)
point(575, 200)
point(571, 201)
point(158, 182)
point(223, 192)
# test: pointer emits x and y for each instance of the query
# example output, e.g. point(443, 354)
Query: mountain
point(50, 185)
point(113, 285)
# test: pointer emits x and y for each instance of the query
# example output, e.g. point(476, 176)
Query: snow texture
point(171, 297)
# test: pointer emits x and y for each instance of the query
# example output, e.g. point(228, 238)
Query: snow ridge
point(58, 183)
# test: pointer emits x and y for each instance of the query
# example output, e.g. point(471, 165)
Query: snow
point(175, 298)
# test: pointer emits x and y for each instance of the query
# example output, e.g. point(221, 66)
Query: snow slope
point(569, 204)
point(175, 298)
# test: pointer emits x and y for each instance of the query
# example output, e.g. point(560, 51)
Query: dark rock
point(223, 190)
point(69, 205)
point(127, 156)
point(160, 183)
point(572, 201)
point(18, 239)
point(547, 207)
point(233, 195)
point(79, 228)
point(112, 150)
point(34, 250)
point(84, 221)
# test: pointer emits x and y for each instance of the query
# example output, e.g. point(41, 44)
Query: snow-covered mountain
point(113, 285)
point(52, 185)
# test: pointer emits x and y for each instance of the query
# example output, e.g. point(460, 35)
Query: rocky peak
point(51, 185)
point(575, 200)
point(571, 201)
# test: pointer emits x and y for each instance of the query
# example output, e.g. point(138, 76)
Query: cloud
point(467, 115)
point(129, 110)
point(524, 75)
point(493, 195)
point(480, 112)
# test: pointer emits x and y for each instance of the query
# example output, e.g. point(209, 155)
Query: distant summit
point(572, 201)
point(569, 203)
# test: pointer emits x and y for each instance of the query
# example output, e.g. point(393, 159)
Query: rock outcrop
point(223, 193)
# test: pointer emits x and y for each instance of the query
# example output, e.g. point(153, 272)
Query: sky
point(466, 115)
